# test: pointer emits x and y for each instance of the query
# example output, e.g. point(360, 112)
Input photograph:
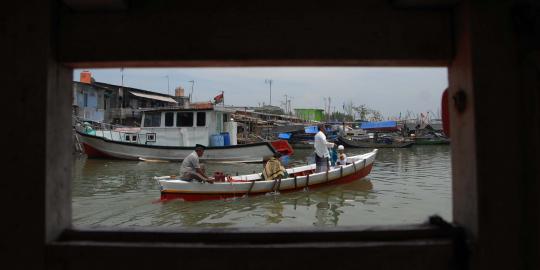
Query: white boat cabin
point(179, 127)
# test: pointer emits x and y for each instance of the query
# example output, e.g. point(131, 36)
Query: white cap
point(341, 147)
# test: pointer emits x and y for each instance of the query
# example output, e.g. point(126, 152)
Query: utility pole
point(269, 81)
point(192, 83)
point(168, 88)
point(287, 102)
point(290, 109)
point(121, 95)
point(328, 107)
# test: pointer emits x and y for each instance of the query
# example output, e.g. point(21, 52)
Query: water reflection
point(405, 186)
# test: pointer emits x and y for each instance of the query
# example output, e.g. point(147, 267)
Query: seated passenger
point(342, 157)
point(273, 168)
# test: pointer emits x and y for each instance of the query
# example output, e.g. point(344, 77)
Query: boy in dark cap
point(191, 169)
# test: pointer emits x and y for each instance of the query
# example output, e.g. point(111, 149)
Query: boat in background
point(298, 178)
point(170, 134)
point(384, 134)
point(430, 138)
point(304, 139)
point(382, 142)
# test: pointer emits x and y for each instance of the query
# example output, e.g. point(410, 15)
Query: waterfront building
point(117, 104)
point(310, 114)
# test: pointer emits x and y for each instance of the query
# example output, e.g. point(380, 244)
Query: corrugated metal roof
point(156, 97)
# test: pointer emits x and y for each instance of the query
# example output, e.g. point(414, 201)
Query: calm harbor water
point(405, 186)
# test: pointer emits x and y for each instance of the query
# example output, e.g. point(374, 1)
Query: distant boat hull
point(303, 145)
point(99, 147)
point(368, 144)
point(431, 141)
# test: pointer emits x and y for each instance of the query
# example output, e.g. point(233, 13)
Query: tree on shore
point(367, 114)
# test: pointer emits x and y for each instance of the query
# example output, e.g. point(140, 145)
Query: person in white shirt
point(321, 150)
point(342, 158)
point(191, 169)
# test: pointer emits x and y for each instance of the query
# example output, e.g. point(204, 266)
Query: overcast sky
point(388, 90)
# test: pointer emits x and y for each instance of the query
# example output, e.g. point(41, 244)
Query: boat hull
point(239, 186)
point(430, 141)
point(99, 147)
point(362, 144)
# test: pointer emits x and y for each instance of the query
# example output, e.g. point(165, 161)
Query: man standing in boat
point(191, 169)
point(321, 150)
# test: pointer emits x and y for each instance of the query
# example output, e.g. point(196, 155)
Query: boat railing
point(101, 129)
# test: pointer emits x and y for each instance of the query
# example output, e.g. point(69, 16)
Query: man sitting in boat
point(273, 168)
point(191, 169)
point(342, 157)
point(321, 150)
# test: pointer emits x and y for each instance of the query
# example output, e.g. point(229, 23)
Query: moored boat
point(383, 134)
point(372, 143)
point(430, 137)
point(238, 186)
point(304, 139)
point(431, 140)
point(171, 134)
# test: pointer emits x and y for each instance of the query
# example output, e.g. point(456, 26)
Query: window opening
point(201, 119)
point(150, 137)
point(152, 119)
point(184, 119)
point(405, 184)
point(169, 119)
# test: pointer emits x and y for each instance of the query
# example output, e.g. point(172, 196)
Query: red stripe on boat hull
point(201, 196)
point(92, 152)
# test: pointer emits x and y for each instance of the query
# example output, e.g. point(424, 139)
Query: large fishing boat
point(243, 185)
point(171, 134)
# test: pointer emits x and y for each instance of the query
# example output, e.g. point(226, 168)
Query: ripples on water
point(405, 186)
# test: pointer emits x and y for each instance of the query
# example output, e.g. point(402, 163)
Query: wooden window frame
point(465, 38)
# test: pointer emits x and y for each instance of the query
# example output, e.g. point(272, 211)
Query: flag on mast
point(218, 98)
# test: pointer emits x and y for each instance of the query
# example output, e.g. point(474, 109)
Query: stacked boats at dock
point(385, 134)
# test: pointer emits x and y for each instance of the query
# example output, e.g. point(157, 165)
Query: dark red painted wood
point(92, 152)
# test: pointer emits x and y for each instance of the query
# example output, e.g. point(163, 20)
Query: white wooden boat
point(95, 146)
point(238, 186)
point(171, 134)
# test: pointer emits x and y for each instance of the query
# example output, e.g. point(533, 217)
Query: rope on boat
point(326, 173)
point(354, 165)
point(307, 181)
point(364, 162)
point(274, 184)
point(341, 172)
point(250, 188)
point(295, 185)
point(278, 185)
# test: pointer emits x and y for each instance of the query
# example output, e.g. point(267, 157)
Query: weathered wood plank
point(217, 33)
point(419, 254)
point(262, 235)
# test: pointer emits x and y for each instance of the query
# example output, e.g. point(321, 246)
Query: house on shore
point(116, 104)
point(310, 114)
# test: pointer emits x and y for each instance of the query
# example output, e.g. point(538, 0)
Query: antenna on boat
point(191, 94)
point(122, 72)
